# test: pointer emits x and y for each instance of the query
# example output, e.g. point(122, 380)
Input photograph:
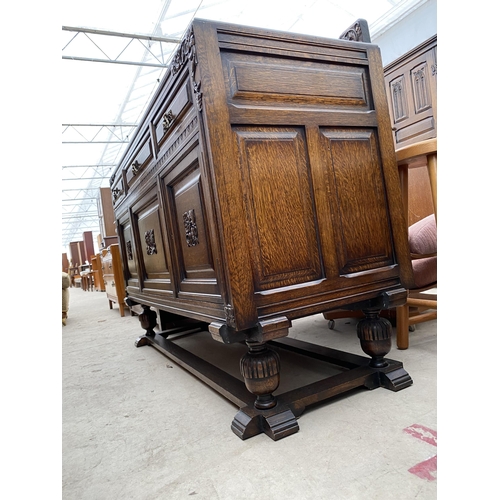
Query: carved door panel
point(191, 236)
point(150, 244)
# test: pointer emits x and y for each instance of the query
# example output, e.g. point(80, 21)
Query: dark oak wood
point(261, 186)
point(277, 415)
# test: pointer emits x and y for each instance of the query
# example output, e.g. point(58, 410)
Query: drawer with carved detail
point(140, 161)
point(171, 113)
point(117, 188)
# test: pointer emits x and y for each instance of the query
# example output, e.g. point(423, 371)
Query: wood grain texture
point(271, 185)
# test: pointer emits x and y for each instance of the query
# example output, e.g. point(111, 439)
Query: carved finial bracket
point(357, 32)
point(184, 55)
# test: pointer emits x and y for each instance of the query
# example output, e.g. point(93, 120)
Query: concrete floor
point(138, 426)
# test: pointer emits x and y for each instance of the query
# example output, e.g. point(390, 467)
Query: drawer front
point(110, 285)
point(140, 161)
point(107, 267)
point(117, 189)
point(171, 113)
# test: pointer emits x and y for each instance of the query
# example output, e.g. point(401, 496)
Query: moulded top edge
point(226, 30)
point(299, 50)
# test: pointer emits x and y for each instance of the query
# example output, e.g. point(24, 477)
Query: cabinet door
point(192, 240)
point(151, 245)
point(130, 266)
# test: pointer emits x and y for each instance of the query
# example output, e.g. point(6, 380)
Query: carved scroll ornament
point(190, 228)
point(130, 256)
point(357, 32)
point(168, 119)
point(187, 53)
point(149, 236)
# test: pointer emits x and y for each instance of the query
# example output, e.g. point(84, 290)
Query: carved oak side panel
point(279, 206)
point(359, 201)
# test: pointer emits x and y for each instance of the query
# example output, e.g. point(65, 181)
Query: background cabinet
point(112, 273)
point(411, 86)
point(106, 217)
point(97, 268)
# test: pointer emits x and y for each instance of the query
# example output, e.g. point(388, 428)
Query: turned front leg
point(260, 368)
point(374, 334)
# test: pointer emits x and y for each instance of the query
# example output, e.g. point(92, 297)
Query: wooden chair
point(422, 236)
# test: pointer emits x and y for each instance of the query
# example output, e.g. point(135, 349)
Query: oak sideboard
point(261, 186)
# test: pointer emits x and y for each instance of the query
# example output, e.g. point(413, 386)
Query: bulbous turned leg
point(260, 368)
point(148, 321)
point(374, 334)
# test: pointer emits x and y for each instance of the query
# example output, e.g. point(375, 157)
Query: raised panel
point(399, 99)
point(129, 255)
point(152, 251)
point(195, 263)
point(420, 88)
point(260, 80)
point(360, 203)
point(279, 206)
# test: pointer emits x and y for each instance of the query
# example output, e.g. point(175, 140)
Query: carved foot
point(277, 423)
point(374, 334)
point(142, 341)
point(395, 380)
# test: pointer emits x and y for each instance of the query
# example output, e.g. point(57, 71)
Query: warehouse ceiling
point(115, 53)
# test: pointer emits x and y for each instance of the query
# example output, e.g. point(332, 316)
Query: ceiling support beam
point(157, 60)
